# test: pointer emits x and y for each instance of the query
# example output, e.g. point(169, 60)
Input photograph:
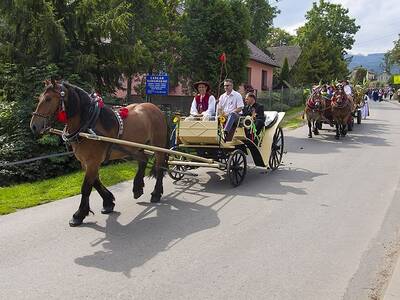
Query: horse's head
point(58, 101)
point(339, 97)
point(315, 101)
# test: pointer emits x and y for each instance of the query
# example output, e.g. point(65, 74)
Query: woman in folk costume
point(203, 105)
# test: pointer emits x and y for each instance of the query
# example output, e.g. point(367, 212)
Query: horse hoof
point(310, 136)
point(108, 209)
point(137, 194)
point(75, 222)
point(155, 199)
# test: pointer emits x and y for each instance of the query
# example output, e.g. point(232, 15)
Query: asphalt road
point(325, 225)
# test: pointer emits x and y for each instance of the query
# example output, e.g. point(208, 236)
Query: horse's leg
point(138, 182)
point(108, 197)
point(315, 128)
point(337, 130)
point(84, 208)
point(309, 129)
point(158, 172)
point(344, 128)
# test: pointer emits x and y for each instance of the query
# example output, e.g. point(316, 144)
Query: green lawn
point(293, 118)
point(31, 194)
point(36, 193)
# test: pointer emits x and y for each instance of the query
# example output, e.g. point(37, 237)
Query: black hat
point(196, 84)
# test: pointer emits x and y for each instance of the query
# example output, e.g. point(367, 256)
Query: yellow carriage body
point(192, 133)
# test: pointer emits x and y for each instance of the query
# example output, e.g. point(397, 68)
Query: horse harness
point(96, 105)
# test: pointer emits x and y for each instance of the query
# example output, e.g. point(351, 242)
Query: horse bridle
point(62, 103)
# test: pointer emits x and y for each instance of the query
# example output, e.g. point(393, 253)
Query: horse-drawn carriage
point(97, 133)
point(337, 110)
point(206, 139)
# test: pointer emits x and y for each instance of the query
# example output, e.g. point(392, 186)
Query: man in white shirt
point(230, 105)
point(347, 89)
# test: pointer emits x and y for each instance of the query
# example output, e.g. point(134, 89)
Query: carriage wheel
point(276, 149)
point(176, 171)
point(236, 167)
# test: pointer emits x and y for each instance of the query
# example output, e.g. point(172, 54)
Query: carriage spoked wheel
point(276, 149)
point(236, 167)
point(176, 172)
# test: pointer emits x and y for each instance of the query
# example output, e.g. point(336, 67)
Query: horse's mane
point(79, 102)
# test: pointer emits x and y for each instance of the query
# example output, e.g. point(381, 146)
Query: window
point(264, 77)
point(248, 78)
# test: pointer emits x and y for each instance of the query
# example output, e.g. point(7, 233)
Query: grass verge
point(31, 194)
point(293, 118)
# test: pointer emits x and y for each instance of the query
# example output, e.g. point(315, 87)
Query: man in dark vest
point(203, 105)
point(255, 110)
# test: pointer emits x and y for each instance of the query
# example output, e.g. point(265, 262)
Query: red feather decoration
point(62, 116)
point(222, 57)
point(123, 112)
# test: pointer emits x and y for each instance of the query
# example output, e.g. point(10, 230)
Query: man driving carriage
point(230, 106)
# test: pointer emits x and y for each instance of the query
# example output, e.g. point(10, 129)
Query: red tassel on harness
point(123, 112)
point(222, 57)
point(62, 116)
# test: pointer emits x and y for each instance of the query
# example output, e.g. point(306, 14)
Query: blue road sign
point(157, 84)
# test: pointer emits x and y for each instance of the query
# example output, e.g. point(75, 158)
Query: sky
point(379, 21)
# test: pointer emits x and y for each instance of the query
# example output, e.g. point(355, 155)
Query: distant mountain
point(372, 62)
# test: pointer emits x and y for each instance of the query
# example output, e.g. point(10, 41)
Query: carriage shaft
point(193, 164)
point(138, 145)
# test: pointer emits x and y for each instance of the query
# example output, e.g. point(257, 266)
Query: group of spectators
point(380, 94)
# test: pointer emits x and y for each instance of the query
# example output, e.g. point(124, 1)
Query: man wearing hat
point(203, 104)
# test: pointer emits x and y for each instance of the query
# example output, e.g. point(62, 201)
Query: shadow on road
point(157, 228)
point(258, 183)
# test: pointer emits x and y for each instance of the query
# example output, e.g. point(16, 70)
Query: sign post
point(396, 79)
point(157, 85)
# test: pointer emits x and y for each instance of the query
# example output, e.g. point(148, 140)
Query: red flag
point(222, 57)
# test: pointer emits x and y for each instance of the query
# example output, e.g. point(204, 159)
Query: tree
point(284, 76)
point(207, 35)
point(331, 21)
point(360, 76)
point(394, 54)
point(324, 39)
point(261, 15)
point(279, 37)
point(153, 39)
point(320, 61)
point(387, 63)
point(87, 42)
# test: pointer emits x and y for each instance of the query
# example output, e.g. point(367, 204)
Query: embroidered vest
point(202, 104)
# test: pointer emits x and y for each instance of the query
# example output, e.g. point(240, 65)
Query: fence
point(279, 100)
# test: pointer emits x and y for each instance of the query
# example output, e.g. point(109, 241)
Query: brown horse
point(144, 123)
point(342, 108)
point(314, 110)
